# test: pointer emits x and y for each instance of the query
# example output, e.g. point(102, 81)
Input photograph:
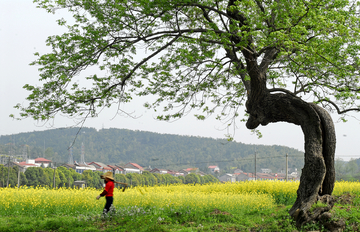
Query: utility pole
point(7, 182)
point(2, 177)
point(54, 175)
point(71, 160)
point(18, 177)
point(287, 163)
point(69, 178)
point(255, 163)
point(82, 158)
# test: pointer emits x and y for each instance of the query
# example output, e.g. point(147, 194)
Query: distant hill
point(118, 146)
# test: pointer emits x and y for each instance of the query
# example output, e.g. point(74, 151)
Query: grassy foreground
point(242, 206)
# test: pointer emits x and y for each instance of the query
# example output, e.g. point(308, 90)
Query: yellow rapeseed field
point(249, 196)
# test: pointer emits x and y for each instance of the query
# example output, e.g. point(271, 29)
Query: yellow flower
point(250, 195)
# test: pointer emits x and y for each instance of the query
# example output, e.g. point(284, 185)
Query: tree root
point(318, 211)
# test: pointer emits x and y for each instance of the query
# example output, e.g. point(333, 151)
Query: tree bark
point(318, 175)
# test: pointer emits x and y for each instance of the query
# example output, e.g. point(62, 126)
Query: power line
point(225, 161)
point(339, 156)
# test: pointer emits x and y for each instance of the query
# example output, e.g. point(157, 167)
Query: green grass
point(155, 220)
point(186, 219)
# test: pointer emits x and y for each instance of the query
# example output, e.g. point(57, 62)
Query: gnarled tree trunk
point(318, 175)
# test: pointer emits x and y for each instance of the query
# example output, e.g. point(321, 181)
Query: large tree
point(268, 55)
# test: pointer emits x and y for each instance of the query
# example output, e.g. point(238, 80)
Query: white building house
point(116, 169)
point(133, 168)
point(42, 162)
point(80, 168)
point(159, 170)
point(228, 178)
point(101, 167)
point(214, 169)
point(266, 170)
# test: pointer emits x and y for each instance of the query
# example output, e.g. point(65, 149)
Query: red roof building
point(133, 168)
point(175, 173)
point(42, 161)
point(192, 170)
point(138, 166)
point(26, 164)
point(23, 166)
point(213, 169)
point(101, 167)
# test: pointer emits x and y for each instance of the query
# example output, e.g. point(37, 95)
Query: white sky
point(23, 31)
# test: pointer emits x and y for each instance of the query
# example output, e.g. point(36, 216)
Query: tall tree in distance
point(268, 55)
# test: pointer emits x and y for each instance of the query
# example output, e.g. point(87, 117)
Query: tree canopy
point(197, 54)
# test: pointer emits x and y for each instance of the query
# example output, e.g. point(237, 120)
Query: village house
point(214, 169)
point(243, 176)
point(227, 178)
point(38, 162)
point(22, 165)
point(265, 176)
point(191, 170)
point(293, 172)
point(175, 173)
point(80, 168)
point(133, 168)
point(183, 172)
point(101, 167)
point(69, 166)
point(266, 170)
point(116, 169)
point(280, 176)
point(159, 170)
point(28, 163)
point(238, 170)
point(166, 171)
point(42, 162)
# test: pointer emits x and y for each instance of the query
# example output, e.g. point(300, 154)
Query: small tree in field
point(208, 54)
point(192, 178)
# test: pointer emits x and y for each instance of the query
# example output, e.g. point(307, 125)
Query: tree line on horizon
point(38, 176)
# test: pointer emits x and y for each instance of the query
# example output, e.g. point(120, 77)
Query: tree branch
point(123, 80)
point(269, 57)
point(337, 108)
point(282, 90)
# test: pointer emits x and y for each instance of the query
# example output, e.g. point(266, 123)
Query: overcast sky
point(23, 31)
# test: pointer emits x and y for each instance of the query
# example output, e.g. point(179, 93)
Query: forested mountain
point(120, 146)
